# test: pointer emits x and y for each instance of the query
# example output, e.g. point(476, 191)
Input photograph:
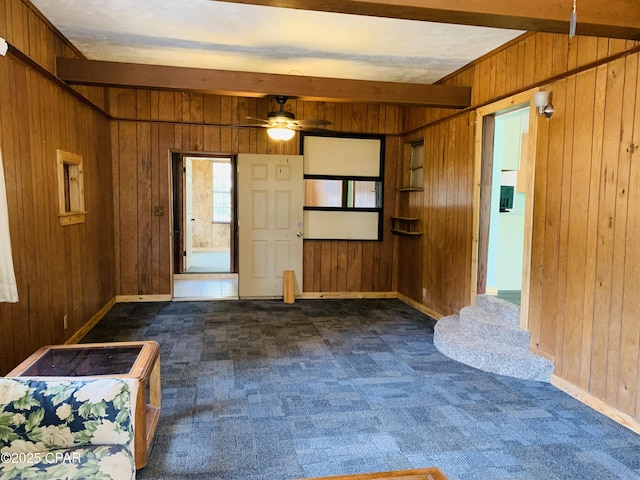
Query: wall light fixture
point(541, 100)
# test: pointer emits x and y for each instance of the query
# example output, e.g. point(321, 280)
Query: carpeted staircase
point(488, 336)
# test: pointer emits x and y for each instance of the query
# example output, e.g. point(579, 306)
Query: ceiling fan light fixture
point(280, 133)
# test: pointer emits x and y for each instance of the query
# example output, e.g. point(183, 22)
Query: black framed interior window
point(343, 176)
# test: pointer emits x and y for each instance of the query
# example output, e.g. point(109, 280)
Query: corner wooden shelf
point(404, 226)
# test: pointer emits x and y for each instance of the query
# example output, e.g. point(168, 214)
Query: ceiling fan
point(282, 124)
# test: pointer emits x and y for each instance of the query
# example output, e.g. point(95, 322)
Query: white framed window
point(221, 184)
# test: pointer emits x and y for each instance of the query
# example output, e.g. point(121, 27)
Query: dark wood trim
point(233, 248)
point(601, 18)
point(253, 84)
point(486, 182)
point(177, 181)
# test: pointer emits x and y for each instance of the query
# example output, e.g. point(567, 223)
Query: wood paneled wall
point(435, 269)
point(150, 124)
point(586, 264)
point(25, 28)
point(59, 270)
point(530, 60)
point(585, 281)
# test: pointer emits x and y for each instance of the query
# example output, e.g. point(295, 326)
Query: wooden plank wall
point(586, 264)
point(22, 25)
point(585, 281)
point(59, 270)
point(150, 124)
point(443, 253)
point(525, 62)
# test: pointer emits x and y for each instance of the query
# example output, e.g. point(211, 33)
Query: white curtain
point(8, 286)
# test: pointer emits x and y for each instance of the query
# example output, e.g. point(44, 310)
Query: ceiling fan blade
point(258, 119)
point(251, 125)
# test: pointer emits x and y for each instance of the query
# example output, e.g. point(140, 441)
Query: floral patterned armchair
point(67, 428)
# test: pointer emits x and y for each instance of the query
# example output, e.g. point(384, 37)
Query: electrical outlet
point(66, 321)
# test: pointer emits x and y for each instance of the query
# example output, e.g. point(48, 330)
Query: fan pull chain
point(572, 23)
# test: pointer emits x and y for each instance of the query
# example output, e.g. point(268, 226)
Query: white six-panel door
point(270, 201)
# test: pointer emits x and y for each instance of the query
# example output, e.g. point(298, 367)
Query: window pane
point(417, 155)
point(365, 194)
point(416, 167)
point(323, 193)
point(331, 193)
point(221, 215)
point(416, 178)
point(221, 185)
point(221, 169)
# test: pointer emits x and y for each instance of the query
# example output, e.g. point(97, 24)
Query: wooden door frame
point(176, 182)
point(480, 220)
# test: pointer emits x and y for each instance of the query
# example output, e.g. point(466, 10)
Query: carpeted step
point(486, 325)
point(455, 341)
point(507, 312)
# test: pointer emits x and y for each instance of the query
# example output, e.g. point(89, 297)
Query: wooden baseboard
point(346, 295)
point(613, 413)
point(143, 298)
point(420, 307)
point(82, 331)
point(539, 352)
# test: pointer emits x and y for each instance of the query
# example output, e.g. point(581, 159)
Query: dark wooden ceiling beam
point(251, 84)
point(603, 18)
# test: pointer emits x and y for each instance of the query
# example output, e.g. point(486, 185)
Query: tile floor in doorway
point(205, 288)
point(210, 262)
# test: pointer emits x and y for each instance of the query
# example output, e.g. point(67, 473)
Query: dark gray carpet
point(260, 390)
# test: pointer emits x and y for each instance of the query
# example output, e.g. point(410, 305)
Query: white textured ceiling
point(228, 36)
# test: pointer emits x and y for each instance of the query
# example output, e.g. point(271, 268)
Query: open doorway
point(503, 214)
point(508, 203)
point(204, 221)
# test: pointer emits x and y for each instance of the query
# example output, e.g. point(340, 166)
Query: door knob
point(299, 234)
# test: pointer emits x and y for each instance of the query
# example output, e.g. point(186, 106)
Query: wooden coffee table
point(431, 473)
point(136, 360)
